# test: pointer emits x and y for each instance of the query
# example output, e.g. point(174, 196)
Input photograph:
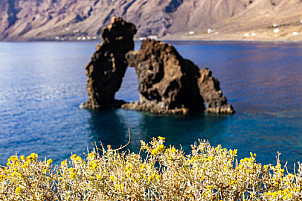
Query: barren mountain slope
point(83, 19)
point(238, 19)
point(46, 19)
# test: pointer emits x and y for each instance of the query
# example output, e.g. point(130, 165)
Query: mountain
point(170, 19)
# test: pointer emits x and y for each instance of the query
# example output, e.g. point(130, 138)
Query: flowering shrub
point(165, 173)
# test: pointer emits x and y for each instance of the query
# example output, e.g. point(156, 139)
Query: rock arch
point(168, 83)
point(107, 66)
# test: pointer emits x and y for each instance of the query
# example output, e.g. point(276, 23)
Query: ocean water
point(42, 85)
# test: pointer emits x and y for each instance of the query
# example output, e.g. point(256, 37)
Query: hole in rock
point(129, 88)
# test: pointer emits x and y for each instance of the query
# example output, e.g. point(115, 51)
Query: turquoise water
point(42, 85)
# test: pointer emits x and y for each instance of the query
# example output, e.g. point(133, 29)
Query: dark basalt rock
point(107, 67)
point(209, 88)
point(167, 82)
point(170, 84)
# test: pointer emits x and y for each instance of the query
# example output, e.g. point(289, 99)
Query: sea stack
point(168, 83)
point(108, 65)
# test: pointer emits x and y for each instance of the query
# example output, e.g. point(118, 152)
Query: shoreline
point(234, 40)
point(172, 39)
point(184, 37)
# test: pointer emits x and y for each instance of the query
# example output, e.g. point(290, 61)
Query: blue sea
point(43, 84)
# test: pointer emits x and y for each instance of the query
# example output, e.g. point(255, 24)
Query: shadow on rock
point(168, 83)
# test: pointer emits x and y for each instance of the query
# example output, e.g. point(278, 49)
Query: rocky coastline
point(168, 83)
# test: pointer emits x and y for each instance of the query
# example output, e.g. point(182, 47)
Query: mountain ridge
point(169, 19)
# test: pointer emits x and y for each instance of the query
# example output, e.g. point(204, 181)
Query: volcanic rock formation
point(171, 84)
point(168, 83)
point(107, 67)
point(209, 88)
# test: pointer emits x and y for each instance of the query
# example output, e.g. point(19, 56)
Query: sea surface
point(42, 85)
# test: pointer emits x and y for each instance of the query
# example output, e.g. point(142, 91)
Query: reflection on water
point(42, 85)
point(107, 127)
point(111, 127)
point(262, 135)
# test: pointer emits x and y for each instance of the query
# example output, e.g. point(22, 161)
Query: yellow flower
point(143, 167)
point(233, 182)
point(13, 174)
point(119, 186)
point(71, 169)
point(289, 196)
point(49, 161)
point(158, 149)
point(32, 157)
point(18, 190)
point(150, 178)
point(158, 177)
point(73, 157)
point(91, 156)
point(13, 159)
point(64, 163)
point(210, 187)
point(2, 177)
point(98, 176)
point(93, 165)
point(22, 158)
point(161, 147)
point(275, 194)
point(143, 144)
point(25, 165)
point(161, 138)
point(129, 167)
point(73, 175)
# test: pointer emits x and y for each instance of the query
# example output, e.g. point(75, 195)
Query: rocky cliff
point(172, 19)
